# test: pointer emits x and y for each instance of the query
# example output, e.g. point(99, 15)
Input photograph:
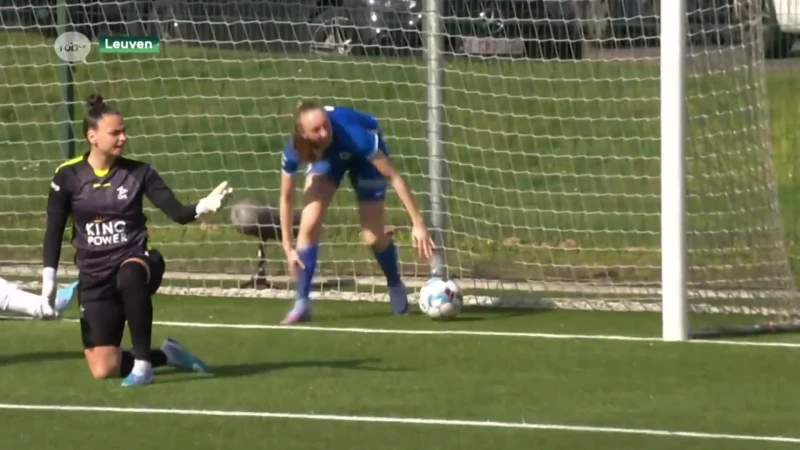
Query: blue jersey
point(356, 140)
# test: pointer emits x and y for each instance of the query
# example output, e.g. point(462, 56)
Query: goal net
point(550, 134)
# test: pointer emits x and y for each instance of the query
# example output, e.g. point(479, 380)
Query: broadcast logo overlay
point(75, 47)
point(72, 47)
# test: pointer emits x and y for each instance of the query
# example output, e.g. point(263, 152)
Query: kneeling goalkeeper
point(118, 271)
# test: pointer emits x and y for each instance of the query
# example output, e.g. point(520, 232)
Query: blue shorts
point(368, 184)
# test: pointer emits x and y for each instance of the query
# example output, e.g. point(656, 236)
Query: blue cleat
point(138, 380)
point(64, 297)
point(178, 356)
point(398, 298)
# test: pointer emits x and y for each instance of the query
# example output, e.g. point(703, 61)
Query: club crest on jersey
point(122, 193)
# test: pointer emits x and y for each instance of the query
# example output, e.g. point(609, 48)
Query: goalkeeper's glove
point(214, 200)
point(49, 284)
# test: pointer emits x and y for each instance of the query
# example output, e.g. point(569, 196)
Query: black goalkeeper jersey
point(109, 224)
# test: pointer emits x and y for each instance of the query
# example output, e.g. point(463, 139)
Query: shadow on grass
point(486, 313)
point(468, 314)
point(37, 357)
point(251, 369)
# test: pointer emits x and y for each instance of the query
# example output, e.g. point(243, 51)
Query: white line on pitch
point(509, 334)
point(403, 420)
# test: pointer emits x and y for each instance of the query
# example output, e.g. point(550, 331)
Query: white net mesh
point(553, 164)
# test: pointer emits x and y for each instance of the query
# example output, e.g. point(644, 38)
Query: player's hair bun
point(94, 100)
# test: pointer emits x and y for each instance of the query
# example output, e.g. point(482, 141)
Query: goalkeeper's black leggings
point(108, 301)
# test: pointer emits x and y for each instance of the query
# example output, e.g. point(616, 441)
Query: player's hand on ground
point(214, 200)
point(49, 284)
point(422, 242)
point(293, 262)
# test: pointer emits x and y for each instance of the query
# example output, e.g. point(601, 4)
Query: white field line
point(429, 332)
point(403, 421)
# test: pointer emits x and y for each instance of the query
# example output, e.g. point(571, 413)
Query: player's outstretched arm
point(164, 199)
point(287, 211)
point(420, 232)
point(59, 206)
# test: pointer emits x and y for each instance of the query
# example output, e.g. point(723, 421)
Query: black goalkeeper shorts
point(100, 302)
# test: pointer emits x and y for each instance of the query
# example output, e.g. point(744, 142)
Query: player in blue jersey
point(332, 142)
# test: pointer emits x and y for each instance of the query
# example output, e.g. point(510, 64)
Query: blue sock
point(387, 259)
point(308, 256)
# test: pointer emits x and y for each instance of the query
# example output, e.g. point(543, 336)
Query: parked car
point(520, 28)
point(364, 26)
point(715, 22)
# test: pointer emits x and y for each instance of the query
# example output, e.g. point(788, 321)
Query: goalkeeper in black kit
point(118, 269)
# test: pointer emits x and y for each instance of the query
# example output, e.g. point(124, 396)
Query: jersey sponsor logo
point(122, 193)
point(101, 234)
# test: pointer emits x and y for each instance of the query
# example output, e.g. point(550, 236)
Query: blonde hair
point(306, 151)
point(303, 106)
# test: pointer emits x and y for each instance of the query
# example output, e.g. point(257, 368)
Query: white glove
point(49, 284)
point(214, 200)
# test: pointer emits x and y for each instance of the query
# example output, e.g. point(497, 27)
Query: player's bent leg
point(319, 192)
point(171, 352)
point(102, 324)
point(104, 361)
point(317, 196)
point(12, 298)
point(371, 215)
point(133, 280)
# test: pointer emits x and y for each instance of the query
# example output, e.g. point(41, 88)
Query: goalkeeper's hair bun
point(94, 100)
point(97, 109)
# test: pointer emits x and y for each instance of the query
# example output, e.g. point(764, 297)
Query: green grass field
point(552, 166)
point(387, 384)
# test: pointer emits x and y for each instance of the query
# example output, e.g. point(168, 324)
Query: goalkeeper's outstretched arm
point(164, 199)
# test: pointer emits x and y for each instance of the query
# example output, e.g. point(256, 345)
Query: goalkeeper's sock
point(128, 363)
point(387, 259)
point(308, 256)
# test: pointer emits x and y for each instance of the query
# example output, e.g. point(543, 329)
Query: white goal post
point(562, 164)
point(674, 292)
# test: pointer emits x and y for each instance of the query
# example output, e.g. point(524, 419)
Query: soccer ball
point(440, 299)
